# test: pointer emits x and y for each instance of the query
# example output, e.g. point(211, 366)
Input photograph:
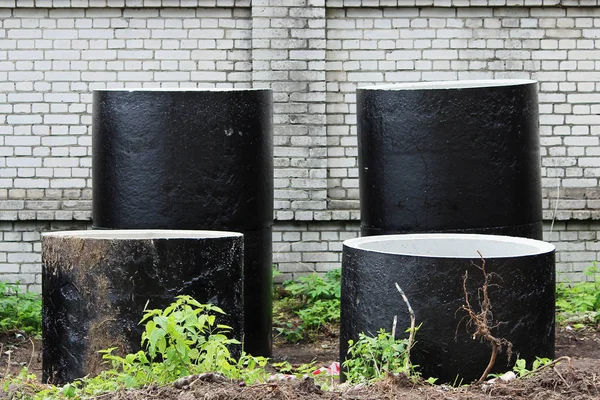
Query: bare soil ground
point(578, 379)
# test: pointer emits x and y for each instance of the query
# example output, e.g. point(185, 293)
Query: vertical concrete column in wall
point(191, 159)
point(96, 285)
point(288, 56)
point(430, 269)
point(458, 156)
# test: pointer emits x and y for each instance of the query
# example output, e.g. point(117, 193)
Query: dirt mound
point(574, 382)
point(577, 380)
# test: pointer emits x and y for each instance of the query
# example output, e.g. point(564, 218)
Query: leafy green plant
point(186, 338)
point(580, 297)
point(285, 367)
point(431, 380)
point(291, 332)
point(311, 288)
point(19, 311)
point(520, 367)
point(183, 339)
point(320, 313)
point(372, 358)
point(314, 300)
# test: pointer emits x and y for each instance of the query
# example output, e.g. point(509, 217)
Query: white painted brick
point(30, 183)
point(62, 52)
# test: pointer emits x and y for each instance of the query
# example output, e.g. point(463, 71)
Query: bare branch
point(484, 319)
point(411, 335)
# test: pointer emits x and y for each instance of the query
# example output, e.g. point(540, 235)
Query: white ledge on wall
point(328, 3)
point(461, 3)
point(121, 3)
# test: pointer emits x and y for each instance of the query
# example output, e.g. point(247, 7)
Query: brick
point(65, 53)
point(24, 258)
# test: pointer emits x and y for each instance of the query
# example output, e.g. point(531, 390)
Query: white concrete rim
point(448, 85)
point(141, 234)
point(182, 90)
point(451, 245)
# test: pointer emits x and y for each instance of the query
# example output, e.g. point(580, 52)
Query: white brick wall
point(461, 3)
point(302, 248)
point(555, 46)
point(313, 54)
point(288, 41)
point(20, 250)
point(122, 3)
point(577, 247)
point(298, 247)
point(51, 60)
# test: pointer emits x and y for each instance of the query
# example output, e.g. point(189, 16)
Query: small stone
point(508, 376)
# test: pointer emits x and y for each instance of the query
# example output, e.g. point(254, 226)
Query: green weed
point(313, 302)
point(320, 313)
point(19, 311)
point(580, 297)
point(311, 288)
point(285, 367)
point(183, 339)
point(372, 358)
point(520, 367)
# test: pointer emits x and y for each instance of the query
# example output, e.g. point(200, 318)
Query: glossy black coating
point(94, 292)
point(191, 159)
point(258, 292)
point(523, 301)
point(450, 160)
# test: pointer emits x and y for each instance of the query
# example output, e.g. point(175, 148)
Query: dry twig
point(561, 378)
point(8, 352)
point(32, 353)
point(550, 364)
point(411, 335)
point(484, 319)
